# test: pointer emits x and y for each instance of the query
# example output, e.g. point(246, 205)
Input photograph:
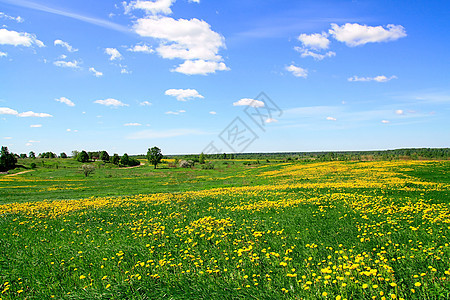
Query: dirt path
point(142, 164)
point(23, 172)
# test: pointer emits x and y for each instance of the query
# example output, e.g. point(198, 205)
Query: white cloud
point(8, 111)
point(3, 54)
point(271, 120)
point(113, 53)
point(65, 45)
point(67, 64)
point(18, 19)
point(399, 112)
point(145, 103)
point(315, 41)
point(132, 124)
point(65, 101)
point(8, 138)
point(297, 71)
point(110, 102)
point(355, 34)
point(151, 7)
point(249, 102)
point(95, 72)
point(183, 94)
point(175, 112)
point(380, 78)
point(191, 40)
point(71, 130)
point(124, 70)
point(154, 134)
point(14, 38)
point(200, 67)
point(213, 113)
point(385, 121)
point(317, 56)
point(141, 48)
point(331, 119)
point(36, 126)
point(28, 114)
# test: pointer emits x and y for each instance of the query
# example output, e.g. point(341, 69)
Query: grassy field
point(324, 230)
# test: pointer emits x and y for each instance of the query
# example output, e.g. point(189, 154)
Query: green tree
point(125, 160)
point(32, 154)
point(115, 159)
point(201, 159)
point(23, 155)
point(154, 156)
point(63, 155)
point(104, 156)
point(83, 156)
point(7, 160)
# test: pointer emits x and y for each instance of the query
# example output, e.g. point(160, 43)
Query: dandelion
point(417, 284)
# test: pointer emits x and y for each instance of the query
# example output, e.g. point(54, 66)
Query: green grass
point(235, 232)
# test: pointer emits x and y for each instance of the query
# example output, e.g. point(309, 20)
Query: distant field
point(317, 230)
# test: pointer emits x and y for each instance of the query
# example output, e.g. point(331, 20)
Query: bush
point(208, 166)
point(186, 164)
point(33, 165)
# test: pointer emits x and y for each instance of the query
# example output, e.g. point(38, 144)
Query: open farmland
point(317, 230)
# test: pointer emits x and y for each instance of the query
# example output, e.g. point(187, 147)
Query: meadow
point(295, 230)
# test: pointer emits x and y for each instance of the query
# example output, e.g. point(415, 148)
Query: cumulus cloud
point(191, 40)
point(95, 72)
point(3, 54)
point(213, 113)
point(249, 102)
point(14, 38)
point(200, 67)
point(151, 7)
point(65, 101)
point(132, 124)
point(399, 112)
point(67, 64)
point(65, 45)
point(297, 71)
point(110, 102)
point(183, 94)
point(175, 112)
point(331, 119)
point(380, 78)
point(385, 121)
point(315, 41)
point(36, 126)
point(113, 53)
point(141, 48)
point(355, 34)
point(145, 103)
point(18, 19)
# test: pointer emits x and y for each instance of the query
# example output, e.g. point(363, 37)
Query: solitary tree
point(7, 160)
point(87, 170)
point(32, 154)
point(154, 156)
point(83, 156)
point(63, 155)
point(23, 155)
point(201, 159)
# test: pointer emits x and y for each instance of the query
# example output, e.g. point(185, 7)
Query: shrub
point(208, 166)
point(33, 165)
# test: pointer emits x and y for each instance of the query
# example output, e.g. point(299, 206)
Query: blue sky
point(124, 76)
